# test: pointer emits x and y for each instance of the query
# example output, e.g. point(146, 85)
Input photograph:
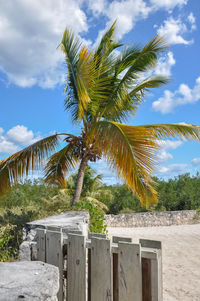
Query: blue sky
point(33, 72)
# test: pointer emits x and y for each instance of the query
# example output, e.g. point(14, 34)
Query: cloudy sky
point(32, 69)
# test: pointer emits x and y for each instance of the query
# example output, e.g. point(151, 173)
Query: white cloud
point(173, 29)
point(192, 20)
point(97, 6)
point(21, 135)
point(167, 4)
point(34, 29)
point(173, 169)
point(16, 137)
point(1, 131)
point(183, 95)
point(163, 154)
point(196, 161)
point(29, 34)
point(7, 146)
point(164, 65)
point(127, 13)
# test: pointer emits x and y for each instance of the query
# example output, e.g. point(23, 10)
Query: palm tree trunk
point(79, 181)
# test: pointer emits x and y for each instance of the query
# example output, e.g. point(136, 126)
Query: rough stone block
point(28, 280)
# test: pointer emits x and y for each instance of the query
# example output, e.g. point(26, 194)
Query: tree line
point(30, 200)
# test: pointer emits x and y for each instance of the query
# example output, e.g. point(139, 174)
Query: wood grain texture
point(101, 269)
point(76, 267)
point(130, 274)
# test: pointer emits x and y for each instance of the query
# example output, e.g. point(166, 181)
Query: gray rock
point(70, 221)
point(67, 221)
point(153, 219)
point(25, 251)
point(28, 280)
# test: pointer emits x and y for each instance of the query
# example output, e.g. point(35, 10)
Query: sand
point(181, 257)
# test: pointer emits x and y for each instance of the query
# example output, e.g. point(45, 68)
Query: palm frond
point(59, 164)
point(127, 92)
point(131, 150)
point(71, 48)
point(21, 163)
point(177, 130)
point(107, 43)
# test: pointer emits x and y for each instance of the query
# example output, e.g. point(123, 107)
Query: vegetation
point(103, 89)
point(28, 201)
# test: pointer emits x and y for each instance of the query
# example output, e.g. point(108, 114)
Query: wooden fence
point(98, 269)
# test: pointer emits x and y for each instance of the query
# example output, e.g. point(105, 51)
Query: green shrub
point(97, 218)
point(8, 248)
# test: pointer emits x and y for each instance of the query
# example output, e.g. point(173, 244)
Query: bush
point(8, 249)
point(97, 218)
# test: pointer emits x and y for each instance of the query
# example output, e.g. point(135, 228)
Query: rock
point(25, 251)
point(67, 221)
point(70, 221)
point(152, 219)
point(28, 280)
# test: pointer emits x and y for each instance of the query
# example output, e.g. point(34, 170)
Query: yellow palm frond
point(177, 130)
point(59, 164)
point(131, 150)
point(19, 164)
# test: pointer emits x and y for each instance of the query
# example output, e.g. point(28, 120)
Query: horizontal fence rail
point(100, 269)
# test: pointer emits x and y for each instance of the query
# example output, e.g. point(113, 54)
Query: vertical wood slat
point(54, 255)
point(89, 275)
point(156, 268)
point(146, 279)
point(41, 245)
point(116, 239)
point(156, 278)
point(76, 268)
point(101, 267)
point(130, 273)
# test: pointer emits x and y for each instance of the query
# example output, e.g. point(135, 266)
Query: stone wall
point(153, 219)
point(70, 221)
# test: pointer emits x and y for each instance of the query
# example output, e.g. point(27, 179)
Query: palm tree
point(104, 87)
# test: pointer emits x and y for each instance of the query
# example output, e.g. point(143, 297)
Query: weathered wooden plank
point(66, 231)
point(156, 267)
point(54, 255)
point(156, 278)
point(41, 245)
point(116, 239)
point(101, 267)
point(97, 235)
point(130, 273)
point(147, 243)
point(76, 268)
point(54, 228)
point(89, 275)
point(146, 279)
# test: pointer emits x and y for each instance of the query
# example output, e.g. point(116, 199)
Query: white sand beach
point(181, 257)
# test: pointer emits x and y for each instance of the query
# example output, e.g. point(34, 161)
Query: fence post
point(130, 274)
point(76, 268)
point(152, 267)
point(101, 267)
point(54, 255)
point(41, 245)
point(116, 239)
